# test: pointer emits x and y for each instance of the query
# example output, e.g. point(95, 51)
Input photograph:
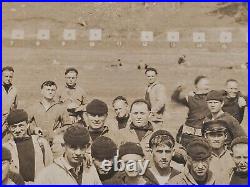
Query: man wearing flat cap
point(197, 170)
point(160, 170)
point(216, 133)
point(30, 153)
point(215, 103)
point(131, 152)
point(96, 120)
point(71, 168)
point(239, 173)
point(103, 149)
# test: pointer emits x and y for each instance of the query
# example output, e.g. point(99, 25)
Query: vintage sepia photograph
point(125, 93)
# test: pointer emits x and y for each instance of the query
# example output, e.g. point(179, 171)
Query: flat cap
point(130, 148)
point(215, 95)
point(103, 148)
point(164, 133)
point(199, 149)
point(239, 140)
point(97, 107)
point(16, 116)
point(76, 135)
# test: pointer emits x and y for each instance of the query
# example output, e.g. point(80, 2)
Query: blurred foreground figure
point(71, 168)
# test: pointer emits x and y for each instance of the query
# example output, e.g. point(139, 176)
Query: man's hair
point(162, 140)
point(151, 69)
point(140, 101)
point(198, 78)
point(71, 69)
point(48, 83)
point(231, 80)
point(119, 98)
point(8, 68)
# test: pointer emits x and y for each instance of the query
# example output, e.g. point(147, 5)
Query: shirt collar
point(222, 153)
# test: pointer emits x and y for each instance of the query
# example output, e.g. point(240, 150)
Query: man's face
point(216, 139)
point(139, 114)
point(71, 78)
point(232, 89)
point(199, 168)
point(203, 86)
point(49, 92)
point(162, 156)
point(132, 157)
point(7, 77)
point(19, 130)
point(240, 157)
point(75, 154)
point(96, 121)
point(214, 106)
point(121, 108)
point(151, 76)
point(99, 166)
point(5, 169)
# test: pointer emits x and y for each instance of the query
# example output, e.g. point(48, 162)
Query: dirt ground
point(98, 70)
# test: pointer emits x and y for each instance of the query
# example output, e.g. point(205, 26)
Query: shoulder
point(177, 179)
point(16, 178)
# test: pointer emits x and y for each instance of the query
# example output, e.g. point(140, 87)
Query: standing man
point(155, 96)
point(216, 133)
point(30, 154)
point(96, 120)
point(71, 168)
point(9, 95)
point(160, 171)
point(121, 108)
point(197, 109)
point(234, 102)
point(197, 168)
point(73, 96)
point(140, 129)
point(239, 148)
point(104, 149)
point(215, 103)
point(47, 115)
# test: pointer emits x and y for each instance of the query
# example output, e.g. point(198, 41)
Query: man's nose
point(78, 151)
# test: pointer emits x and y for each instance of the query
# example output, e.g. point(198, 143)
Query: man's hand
point(242, 102)
point(38, 131)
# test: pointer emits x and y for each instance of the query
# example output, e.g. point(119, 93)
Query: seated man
point(197, 167)
point(239, 148)
point(71, 168)
point(135, 166)
point(30, 153)
point(104, 149)
point(162, 144)
point(216, 133)
point(9, 177)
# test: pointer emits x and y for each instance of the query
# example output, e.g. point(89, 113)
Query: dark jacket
point(197, 106)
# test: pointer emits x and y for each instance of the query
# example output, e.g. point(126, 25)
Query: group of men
point(67, 139)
